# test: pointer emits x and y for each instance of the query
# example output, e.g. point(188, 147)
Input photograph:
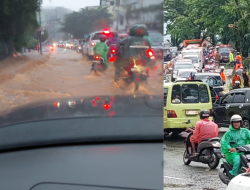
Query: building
point(129, 12)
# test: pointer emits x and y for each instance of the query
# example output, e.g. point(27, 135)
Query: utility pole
point(40, 32)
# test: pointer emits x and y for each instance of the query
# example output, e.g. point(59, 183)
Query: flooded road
point(196, 176)
point(64, 74)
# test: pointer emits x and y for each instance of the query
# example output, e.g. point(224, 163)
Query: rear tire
point(215, 163)
point(186, 161)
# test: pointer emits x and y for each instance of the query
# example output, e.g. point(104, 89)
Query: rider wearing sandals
point(204, 129)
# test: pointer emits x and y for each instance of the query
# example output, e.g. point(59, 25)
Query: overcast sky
point(74, 5)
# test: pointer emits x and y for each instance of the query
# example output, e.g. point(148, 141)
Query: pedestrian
point(218, 57)
point(238, 64)
point(231, 58)
point(236, 78)
point(238, 56)
point(222, 74)
point(239, 72)
point(245, 77)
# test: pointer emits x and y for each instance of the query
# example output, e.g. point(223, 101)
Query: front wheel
point(215, 163)
point(186, 161)
point(246, 124)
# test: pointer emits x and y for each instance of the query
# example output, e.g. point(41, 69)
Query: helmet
point(103, 38)
point(237, 82)
point(238, 53)
point(222, 67)
point(132, 30)
point(204, 114)
point(234, 118)
point(141, 30)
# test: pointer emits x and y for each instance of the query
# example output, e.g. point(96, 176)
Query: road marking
point(174, 178)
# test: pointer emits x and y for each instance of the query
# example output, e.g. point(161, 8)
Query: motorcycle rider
point(204, 129)
point(240, 136)
point(218, 56)
point(236, 78)
point(112, 42)
point(222, 74)
point(148, 38)
point(102, 49)
point(125, 49)
point(238, 56)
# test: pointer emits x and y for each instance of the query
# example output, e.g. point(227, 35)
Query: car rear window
point(189, 93)
point(210, 80)
point(98, 35)
point(194, 59)
point(183, 66)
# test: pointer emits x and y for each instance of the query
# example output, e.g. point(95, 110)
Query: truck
point(192, 43)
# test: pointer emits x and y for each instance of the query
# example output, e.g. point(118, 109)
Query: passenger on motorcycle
point(204, 129)
point(131, 47)
point(240, 136)
point(236, 85)
point(112, 43)
point(102, 49)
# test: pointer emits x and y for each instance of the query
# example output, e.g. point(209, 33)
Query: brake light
point(98, 98)
point(97, 57)
point(106, 31)
point(217, 97)
point(50, 47)
point(57, 104)
point(171, 114)
point(140, 31)
point(113, 51)
point(106, 106)
point(150, 53)
point(93, 43)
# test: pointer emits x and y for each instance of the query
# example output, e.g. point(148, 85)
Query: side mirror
point(232, 142)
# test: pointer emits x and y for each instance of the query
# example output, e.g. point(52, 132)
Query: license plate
point(192, 112)
point(134, 69)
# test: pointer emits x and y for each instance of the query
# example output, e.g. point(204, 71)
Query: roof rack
point(188, 81)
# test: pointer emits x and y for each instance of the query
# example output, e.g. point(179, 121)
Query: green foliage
point(86, 21)
point(17, 20)
point(31, 42)
point(192, 19)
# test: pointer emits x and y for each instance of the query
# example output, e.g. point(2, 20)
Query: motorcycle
point(208, 152)
point(224, 174)
point(207, 69)
point(98, 64)
point(79, 49)
point(51, 48)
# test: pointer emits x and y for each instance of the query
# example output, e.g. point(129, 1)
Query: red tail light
point(97, 57)
point(150, 53)
point(106, 106)
point(217, 97)
point(93, 43)
point(171, 114)
point(50, 47)
point(137, 79)
point(113, 50)
point(106, 31)
point(113, 59)
point(98, 98)
point(140, 31)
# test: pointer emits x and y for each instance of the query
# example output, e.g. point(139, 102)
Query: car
point(214, 95)
point(93, 38)
point(224, 51)
point(195, 60)
point(181, 65)
point(183, 101)
point(236, 101)
point(214, 80)
point(157, 45)
point(183, 74)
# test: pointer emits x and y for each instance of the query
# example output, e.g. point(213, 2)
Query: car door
point(220, 111)
point(236, 106)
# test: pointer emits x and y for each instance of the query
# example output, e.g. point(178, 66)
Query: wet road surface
point(66, 74)
point(196, 176)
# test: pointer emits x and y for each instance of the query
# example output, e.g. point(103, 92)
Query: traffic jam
point(206, 103)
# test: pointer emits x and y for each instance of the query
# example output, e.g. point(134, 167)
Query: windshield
point(185, 74)
point(97, 36)
point(156, 37)
point(210, 80)
point(224, 50)
point(194, 59)
point(61, 79)
point(183, 66)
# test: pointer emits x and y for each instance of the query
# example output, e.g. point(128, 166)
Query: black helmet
point(103, 38)
point(141, 30)
point(204, 114)
point(132, 30)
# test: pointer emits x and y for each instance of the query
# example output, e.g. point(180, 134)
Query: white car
point(195, 60)
point(240, 182)
point(183, 74)
point(93, 38)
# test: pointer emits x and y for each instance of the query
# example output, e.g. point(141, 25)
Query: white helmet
point(237, 82)
point(235, 117)
point(222, 67)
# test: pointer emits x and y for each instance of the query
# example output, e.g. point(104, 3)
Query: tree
point(18, 20)
point(86, 21)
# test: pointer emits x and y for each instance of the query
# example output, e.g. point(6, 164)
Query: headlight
point(216, 144)
point(248, 156)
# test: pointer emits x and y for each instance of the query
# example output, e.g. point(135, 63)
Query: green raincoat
point(241, 137)
point(149, 39)
point(231, 57)
point(102, 49)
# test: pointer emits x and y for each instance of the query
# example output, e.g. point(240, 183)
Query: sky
point(74, 5)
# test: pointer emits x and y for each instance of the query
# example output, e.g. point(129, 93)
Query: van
point(183, 101)
point(195, 52)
